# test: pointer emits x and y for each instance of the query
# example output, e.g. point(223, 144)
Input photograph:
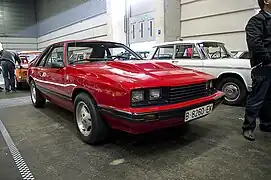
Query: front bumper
point(146, 121)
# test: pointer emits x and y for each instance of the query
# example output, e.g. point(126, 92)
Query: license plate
point(198, 112)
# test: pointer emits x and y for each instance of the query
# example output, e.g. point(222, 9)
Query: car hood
point(139, 74)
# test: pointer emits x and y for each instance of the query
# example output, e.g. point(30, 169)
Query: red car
point(106, 89)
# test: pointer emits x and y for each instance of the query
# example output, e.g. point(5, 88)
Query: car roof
point(29, 52)
point(187, 42)
point(90, 41)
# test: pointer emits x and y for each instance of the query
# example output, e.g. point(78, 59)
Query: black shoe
point(249, 135)
point(265, 128)
point(7, 91)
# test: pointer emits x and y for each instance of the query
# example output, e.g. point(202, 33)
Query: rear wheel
point(90, 125)
point(36, 97)
point(234, 89)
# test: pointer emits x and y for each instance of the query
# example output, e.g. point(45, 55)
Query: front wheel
point(36, 97)
point(234, 89)
point(90, 125)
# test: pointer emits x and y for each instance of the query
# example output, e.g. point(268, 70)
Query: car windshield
point(28, 57)
point(215, 50)
point(99, 51)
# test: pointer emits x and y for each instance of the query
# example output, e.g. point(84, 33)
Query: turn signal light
point(150, 117)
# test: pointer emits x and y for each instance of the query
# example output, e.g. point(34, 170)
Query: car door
point(39, 68)
point(188, 56)
point(53, 73)
point(218, 59)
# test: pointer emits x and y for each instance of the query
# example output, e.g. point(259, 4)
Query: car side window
point(42, 61)
point(165, 52)
point(185, 51)
point(55, 56)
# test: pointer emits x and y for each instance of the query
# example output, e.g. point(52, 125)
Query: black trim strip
point(160, 115)
point(47, 91)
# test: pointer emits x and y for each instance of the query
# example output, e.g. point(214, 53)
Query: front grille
point(186, 93)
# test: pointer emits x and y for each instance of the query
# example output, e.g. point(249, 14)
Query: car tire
point(36, 97)
point(235, 90)
point(89, 123)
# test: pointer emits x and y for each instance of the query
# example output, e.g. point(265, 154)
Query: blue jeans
point(259, 100)
point(8, 75)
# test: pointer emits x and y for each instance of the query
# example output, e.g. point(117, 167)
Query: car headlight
point(137, 96)
point(155, 94)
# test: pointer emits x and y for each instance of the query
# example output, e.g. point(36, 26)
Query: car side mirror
point(57, 65)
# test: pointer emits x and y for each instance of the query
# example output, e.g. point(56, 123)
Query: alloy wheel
point(83, 118)
point(33, 93)
point(232, 91)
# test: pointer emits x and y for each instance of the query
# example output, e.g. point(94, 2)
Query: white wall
point(94, 28)
point(217, 20)
point(115, 20)
point(19, 43)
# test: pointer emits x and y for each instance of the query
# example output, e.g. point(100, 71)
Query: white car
point(212, 57)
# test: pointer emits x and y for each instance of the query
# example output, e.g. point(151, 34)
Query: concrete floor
point(213, 148)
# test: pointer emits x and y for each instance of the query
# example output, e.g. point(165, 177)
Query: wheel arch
point(79, 90)
point(231, 74)
point(30, 78)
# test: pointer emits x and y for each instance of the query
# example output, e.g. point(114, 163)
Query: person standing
point(8, 62)
point(258, 35)
point(1, 89)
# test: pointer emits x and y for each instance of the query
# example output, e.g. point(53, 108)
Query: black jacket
point(258, 35)
point(10, 56)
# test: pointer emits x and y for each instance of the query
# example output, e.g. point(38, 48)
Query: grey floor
point(213, 148)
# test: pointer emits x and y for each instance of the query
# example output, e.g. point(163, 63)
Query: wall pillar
point(167, 19)
point(116, 15)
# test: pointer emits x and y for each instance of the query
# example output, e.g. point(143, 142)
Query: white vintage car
point(212, 57)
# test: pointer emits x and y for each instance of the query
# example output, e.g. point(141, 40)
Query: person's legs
point(265, 113)
point(255, 103)
point(6, 75)
point(11, 71)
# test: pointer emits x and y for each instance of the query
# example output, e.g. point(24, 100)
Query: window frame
point(50, 51)
point(194, 46)
point(151, 28)
point(142, 29)
point(165, 46)
point(43, 55)
point(133, 31)
point(119, 44)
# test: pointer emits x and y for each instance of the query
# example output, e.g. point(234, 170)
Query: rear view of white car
point(212, 57)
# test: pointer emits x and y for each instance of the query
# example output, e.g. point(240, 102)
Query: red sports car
point(106, 89)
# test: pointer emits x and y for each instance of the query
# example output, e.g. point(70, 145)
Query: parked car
point(212, 57)
point(21, 73)
point(143, 54)
point(108, 90)
point(241, 54)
